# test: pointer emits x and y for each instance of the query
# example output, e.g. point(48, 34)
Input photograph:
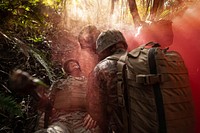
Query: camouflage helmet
point(109, 38)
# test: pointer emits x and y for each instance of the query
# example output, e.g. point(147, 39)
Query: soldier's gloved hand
point(89, 123)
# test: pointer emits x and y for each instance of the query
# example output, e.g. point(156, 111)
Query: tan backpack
point(157, 96)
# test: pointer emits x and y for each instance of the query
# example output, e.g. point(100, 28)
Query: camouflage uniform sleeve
point(99, 85)
point(93, 97)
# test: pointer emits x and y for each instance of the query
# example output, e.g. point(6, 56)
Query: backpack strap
point(122, 91)
point(120, 76)
point(157, 92)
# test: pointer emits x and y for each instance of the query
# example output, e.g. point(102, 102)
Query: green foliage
point(27, 23)
point(26, 18)
point(9, 106)
point(24, 28)
point(38, 56)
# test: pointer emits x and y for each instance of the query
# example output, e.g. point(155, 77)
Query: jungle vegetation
point(32, 33)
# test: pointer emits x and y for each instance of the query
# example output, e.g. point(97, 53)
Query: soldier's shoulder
point(105, 65)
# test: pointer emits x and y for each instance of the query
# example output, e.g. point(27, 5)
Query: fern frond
point(8, 104)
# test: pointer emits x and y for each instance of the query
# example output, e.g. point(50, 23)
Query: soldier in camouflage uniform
point(102, 94)
point(68, 97)
point(87, 40)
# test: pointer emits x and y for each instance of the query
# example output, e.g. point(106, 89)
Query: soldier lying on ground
point(65, 102)
point(68, 102)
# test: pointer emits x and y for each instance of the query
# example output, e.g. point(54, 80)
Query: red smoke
point(186, 28)
point(187, 42)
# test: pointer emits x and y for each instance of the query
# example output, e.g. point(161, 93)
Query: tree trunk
point(134, 12)
point(157, 4)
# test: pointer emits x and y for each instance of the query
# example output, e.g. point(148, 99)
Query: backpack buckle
point(148, 79)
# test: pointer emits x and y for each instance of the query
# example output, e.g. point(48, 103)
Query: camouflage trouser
point(69, 123)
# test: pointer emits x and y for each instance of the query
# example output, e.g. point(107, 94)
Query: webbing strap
point(121, 90)
point(148, 79)
point(157, 93)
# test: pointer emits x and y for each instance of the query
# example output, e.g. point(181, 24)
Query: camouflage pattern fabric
point(102, 96)
point(69, 122)
point(69, 107)
point(70, 93)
